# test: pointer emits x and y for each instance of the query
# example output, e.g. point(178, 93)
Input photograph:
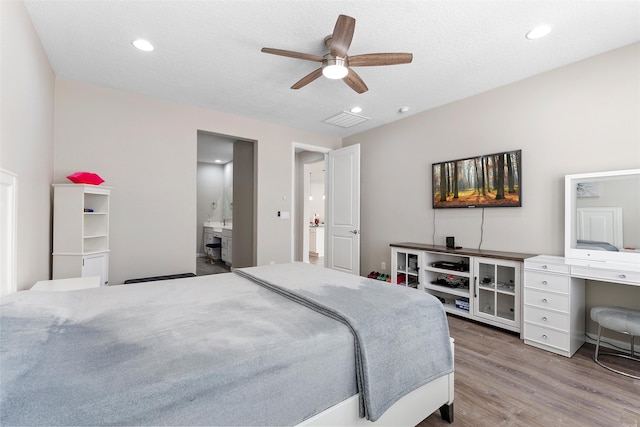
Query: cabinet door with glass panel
point(405, 267)
point(496, 291)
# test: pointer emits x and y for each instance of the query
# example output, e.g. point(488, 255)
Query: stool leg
point(626, 356)
point(595, 356)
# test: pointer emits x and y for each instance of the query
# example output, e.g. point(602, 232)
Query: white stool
point(619, 319)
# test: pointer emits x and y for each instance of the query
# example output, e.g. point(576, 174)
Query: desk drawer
point(606, 275)
point(546, 336)
point(549, 267)
point(547, 282)
point(543, 299)
point(546, 318)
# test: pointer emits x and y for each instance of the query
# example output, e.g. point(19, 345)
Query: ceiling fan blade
point(307, 79)
point(292, 54)
point(372, 59)
point(355, 82)
point(342, 35)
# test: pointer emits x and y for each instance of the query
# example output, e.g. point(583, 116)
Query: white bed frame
point(410, 410)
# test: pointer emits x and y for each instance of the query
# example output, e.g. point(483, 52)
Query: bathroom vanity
point(316, 240)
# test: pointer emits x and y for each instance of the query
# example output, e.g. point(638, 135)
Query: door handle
point(354, 231)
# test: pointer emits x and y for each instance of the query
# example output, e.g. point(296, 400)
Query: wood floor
point(500, 381)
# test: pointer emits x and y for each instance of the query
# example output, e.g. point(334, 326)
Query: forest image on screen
point(492, 180)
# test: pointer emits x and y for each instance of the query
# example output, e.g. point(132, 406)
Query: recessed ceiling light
point(143, 45)
point(356, 110)
point(218, 161)
point(403, 109)
point(538, 32)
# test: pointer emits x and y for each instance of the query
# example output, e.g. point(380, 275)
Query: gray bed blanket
point(402, 335)
point(211, 350)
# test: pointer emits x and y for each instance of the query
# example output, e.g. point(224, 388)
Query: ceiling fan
point(337, 64)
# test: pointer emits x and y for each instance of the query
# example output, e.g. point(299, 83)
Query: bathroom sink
point(217, 226)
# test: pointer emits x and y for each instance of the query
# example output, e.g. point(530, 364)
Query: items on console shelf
point(452, 281)
point(412, 282)
point(462, 303)
point(448, 265)
point(509, 287)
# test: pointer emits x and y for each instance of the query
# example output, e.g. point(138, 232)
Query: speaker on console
point(451, 242)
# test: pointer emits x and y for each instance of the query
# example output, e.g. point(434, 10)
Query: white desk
point(67, 284)
point(554, 298)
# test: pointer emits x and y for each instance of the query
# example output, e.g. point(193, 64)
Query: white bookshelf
point(81, 231)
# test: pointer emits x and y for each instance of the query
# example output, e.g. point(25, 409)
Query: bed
point(595, 245)
point(287, 344)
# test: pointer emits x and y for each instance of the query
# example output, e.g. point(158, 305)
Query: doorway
point(308, 161)
point(314, 211)
point(226, 198)
point(341, 205)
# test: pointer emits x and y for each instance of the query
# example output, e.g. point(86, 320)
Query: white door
point(8, 231)
point(600, 224)
point(343, 210)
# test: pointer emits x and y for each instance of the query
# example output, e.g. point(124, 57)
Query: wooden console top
point(513, 256)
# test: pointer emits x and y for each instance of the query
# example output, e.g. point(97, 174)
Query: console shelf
point(481, 285)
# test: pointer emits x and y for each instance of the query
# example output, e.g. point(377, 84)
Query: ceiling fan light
point(335, 71)
point(334, 68)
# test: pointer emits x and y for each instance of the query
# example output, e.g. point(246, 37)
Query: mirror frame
point(570, 221)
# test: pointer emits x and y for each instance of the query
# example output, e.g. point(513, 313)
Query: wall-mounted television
point(491, 180)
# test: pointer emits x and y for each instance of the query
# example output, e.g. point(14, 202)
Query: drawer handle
point(544, 337)
point(544, 300)
point(544, 282)
point(544, 318)
point(623, 276)
point(544, 267)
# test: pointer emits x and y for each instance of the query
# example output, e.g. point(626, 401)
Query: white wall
point(26, 137)
point(578, 118)
point(146, 149)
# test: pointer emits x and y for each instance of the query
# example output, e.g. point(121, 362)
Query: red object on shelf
point(85, 178)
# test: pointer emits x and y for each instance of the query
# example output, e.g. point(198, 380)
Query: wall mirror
point(602, 216)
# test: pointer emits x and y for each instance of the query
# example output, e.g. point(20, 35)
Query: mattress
point(211, 350)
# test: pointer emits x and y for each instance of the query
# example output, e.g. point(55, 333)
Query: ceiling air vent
point(346, 119)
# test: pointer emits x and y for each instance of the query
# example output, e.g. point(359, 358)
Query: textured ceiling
point(208, 52)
